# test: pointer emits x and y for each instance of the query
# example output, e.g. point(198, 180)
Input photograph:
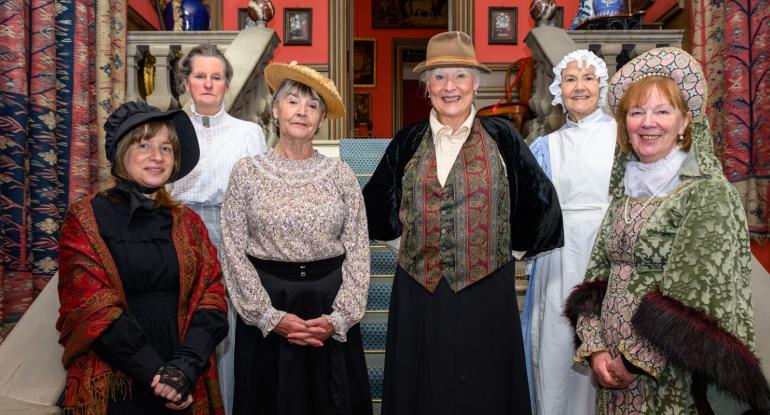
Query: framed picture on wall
point(297, 26)
point(503, 25)
point(405, 14)
point(364, 62)
point(362, 107)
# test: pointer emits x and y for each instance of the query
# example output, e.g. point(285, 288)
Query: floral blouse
point(294, 211)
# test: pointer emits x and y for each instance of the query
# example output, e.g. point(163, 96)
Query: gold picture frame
point(364, 62)
point(362, 107)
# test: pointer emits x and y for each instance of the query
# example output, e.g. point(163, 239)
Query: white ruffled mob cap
point(583, 58)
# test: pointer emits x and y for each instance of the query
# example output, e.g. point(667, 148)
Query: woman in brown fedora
point(296, 259)
point(462, 192)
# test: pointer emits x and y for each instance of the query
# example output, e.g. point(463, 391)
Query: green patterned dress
point(660, 266)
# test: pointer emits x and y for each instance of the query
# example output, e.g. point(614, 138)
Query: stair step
point(363, 156)
point(379, 294)
point(375, 364)
point(374, 329)
point(383, 261)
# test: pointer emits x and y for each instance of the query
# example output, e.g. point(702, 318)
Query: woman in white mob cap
point(578, 159)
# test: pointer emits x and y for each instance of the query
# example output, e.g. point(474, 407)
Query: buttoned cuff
point(340, 326)
point(268, 320)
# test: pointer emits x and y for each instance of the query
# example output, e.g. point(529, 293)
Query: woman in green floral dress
point(664, 316)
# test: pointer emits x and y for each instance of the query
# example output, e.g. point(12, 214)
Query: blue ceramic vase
point(607, 7)
point(195, 16)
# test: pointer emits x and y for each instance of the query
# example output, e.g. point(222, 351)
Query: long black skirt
point(156, 312)
point(455, 353)
point(274, 377)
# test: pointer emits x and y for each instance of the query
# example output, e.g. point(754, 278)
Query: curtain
point(61, 65)
point(731, 39)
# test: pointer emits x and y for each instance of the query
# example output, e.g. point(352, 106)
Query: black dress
point(274, 377)
point(146, 335)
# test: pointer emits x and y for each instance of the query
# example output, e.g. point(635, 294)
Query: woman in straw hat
point(296, 261)
point(578, 159)
point(664, 316)
point(461, 192)
point(142, 302)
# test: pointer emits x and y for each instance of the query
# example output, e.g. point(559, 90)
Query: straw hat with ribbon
point(450, 49)
point(277, 72)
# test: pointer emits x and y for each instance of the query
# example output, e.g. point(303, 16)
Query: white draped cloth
point(578, 158)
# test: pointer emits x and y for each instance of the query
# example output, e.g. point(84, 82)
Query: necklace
point(628, 219)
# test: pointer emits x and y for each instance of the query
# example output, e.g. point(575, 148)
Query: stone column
point(161, 96)
point(461, 16)
point(132, 86)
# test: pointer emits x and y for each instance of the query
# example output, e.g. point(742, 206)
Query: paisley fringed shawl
point(92, 297)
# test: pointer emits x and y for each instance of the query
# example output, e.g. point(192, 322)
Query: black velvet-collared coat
point(535, 215)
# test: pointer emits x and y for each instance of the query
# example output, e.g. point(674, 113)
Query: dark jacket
point(536, 222)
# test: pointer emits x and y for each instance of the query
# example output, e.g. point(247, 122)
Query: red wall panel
point(509, 53)
point(382, 93)
point(145, 9)
point(317, 53)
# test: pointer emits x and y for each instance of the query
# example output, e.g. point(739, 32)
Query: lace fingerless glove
point(174, 377)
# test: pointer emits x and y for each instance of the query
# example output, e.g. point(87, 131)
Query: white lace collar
point(654, 179)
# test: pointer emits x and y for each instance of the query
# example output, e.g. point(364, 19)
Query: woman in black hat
point(142, 304)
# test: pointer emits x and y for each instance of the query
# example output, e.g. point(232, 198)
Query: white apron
point(581, 161)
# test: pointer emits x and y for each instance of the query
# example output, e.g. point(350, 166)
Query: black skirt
point(455, 353)
point(157, 314)
point(274, 377)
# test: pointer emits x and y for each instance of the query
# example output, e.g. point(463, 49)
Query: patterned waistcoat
point(459, 232)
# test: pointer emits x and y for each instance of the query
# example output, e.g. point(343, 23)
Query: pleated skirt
point(274, 377)
point(453, 353)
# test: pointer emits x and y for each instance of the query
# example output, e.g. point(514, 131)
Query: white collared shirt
point(448, 143)
point(223, 140)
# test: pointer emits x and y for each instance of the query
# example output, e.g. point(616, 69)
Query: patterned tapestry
point(49, 89)
point(731, 39)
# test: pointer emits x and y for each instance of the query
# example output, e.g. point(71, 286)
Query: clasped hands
point(172, 384)
point(610, 372)
point(304, 332)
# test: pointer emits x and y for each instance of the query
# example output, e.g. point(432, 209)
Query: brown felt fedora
point(450, 49)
